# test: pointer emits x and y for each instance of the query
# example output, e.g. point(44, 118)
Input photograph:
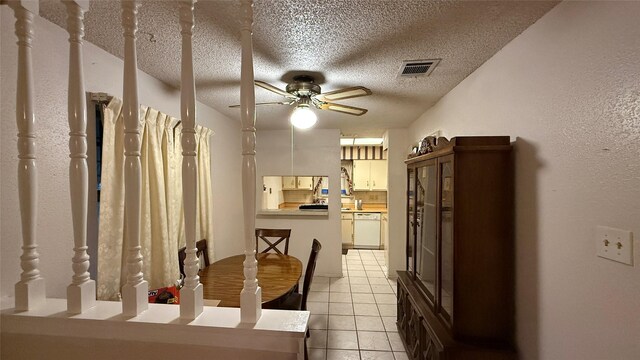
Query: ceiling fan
point(303, 92)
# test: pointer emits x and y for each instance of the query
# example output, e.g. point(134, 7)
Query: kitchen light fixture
point(346, 141)
point(367, 141)
point(303, 117)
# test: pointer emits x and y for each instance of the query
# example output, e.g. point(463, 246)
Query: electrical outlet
point(614, 244)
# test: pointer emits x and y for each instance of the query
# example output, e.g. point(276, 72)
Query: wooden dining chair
point(273, 237)
point(201, 252)
point(296, 301)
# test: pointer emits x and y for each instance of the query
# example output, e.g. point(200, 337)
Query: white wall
point(316, 152)
point(397, 203)
point(568, 92)
point(103, 73)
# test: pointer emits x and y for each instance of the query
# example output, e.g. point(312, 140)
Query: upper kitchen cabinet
point(305, 182)
point(378, 175)
point(289, 183)
point(369, 175)
point(297, 183)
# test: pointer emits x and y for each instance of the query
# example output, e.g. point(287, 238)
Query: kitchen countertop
point(294, 212)
point(292, 209)
point(366, 209)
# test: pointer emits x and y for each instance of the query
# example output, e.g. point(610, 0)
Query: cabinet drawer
point(348, 216)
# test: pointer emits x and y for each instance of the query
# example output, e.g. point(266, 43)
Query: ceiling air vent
point(415, 68)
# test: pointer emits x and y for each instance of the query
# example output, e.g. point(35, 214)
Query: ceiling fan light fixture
point(303, 117)
point(367, 141)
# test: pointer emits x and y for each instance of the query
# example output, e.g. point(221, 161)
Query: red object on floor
point(165, 295)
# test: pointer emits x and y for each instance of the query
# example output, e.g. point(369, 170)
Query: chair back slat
point(311, 268)
point(182, 255)
point(201, 250)
point(268, 236)
point(201, 246)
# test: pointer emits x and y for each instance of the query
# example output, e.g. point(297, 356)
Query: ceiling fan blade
point(274, 89)
point(342, 94)
point(351, 110)
point(268, 103)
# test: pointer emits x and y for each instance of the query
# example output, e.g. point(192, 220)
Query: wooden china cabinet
point(456, 297)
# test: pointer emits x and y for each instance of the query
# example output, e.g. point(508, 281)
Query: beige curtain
point(161, 221)
point(111, 220)
point(204, 201)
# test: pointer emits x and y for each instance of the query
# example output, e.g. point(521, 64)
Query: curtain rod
point(104, 98)
point(100, 97)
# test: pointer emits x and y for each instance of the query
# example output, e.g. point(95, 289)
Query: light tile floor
point(354, 317)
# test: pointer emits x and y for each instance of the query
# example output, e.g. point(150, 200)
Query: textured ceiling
point(346, 43)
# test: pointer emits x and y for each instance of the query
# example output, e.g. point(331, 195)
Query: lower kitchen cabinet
point(384, 233)
point(347, 230)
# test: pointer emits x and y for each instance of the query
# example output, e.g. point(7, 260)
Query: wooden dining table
point(278, 276)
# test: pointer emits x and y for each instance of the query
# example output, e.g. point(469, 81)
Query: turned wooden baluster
point(191, 293)
point(251, 295)
point(135, 291)
point(81, 293)
point(30, 290)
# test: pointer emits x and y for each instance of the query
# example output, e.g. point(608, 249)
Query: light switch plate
point(614, 244)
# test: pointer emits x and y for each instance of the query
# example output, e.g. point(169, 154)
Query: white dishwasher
point(366, 230)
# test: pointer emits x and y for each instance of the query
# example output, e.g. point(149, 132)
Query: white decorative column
point(81, 293)
point(135, 291)
point(251, 295)
point(30, 290)
point(191, 292)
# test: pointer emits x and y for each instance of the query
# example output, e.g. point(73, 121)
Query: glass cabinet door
point(446, 237)
point(411, 239)
point(426, 227)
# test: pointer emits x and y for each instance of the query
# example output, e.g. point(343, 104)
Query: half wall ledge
point(106, 332)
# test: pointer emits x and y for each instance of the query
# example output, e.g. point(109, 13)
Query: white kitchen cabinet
point(305, 182)
point(297, 183)
point(378, 174)
point(347, 229)
point(384, 235)
point(361, 174)
point(289, 183)
point(369, 175)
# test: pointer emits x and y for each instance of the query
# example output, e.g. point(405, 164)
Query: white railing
point(32, 310)
point(135, 290)
point(251, 295)
point(30, 290)
point(191, 293)
point(81, 292)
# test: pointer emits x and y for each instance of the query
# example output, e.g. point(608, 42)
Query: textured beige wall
point(567, 90)
point(103, 73)
point(315, 152)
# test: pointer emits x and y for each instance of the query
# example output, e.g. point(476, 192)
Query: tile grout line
point(351, 295)
point(353, 308)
